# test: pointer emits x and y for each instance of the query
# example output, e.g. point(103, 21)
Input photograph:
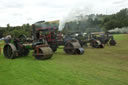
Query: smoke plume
point(86, 7)
point(119, 30)
point(76, 14)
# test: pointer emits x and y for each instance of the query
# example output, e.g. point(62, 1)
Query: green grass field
point(108, 66)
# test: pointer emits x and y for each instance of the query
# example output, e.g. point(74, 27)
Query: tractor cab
point(45, 31)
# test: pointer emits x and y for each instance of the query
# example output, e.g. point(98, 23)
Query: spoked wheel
point(112, 42)
point(94, 44)
point(43, 53)
point(9, 51)
point(68, 48)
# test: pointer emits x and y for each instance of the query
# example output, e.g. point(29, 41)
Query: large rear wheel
point(9, 51)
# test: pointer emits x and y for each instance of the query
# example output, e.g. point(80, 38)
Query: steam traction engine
point(47, 32)
point(96, 39)
point(17, 47)
point(104, 38)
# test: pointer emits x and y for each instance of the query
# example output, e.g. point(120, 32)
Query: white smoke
point(86, 7)
point(76, 14)
point(119, 30)
point(69, 19)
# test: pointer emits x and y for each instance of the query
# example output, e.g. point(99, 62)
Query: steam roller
point(16, 48)
point(73, 47)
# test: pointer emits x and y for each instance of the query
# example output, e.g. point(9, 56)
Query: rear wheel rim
point(8, 51)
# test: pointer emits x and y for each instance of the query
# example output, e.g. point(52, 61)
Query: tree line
point(98, 22)
point(25, 29)
point(15, 30)
point(88, 23)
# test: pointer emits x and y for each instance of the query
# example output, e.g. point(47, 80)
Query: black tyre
point(94, 44)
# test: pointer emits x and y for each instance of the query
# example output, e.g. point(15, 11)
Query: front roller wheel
point(43, 53)
point(9, 51)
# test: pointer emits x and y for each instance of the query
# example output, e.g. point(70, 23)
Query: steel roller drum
point(44, 53)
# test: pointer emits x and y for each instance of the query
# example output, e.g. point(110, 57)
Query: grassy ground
point(107, 66)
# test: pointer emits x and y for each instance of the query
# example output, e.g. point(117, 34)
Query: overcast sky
point(18, 12)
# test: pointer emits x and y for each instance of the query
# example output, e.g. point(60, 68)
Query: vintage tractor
point(55, 39)
point(17, 47)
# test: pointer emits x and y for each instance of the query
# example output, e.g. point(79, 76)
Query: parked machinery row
point(96, 40)
point(17, 47)
point(43, 43)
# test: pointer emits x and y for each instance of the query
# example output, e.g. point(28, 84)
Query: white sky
point(18, 12)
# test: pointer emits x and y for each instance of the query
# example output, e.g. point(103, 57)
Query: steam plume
point(120, 30)
point(75, 14)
